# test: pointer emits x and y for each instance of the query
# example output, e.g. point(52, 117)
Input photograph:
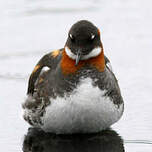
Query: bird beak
point(78, 56)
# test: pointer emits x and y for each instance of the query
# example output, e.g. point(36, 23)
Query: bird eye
point(71, 37)
point(92, 36)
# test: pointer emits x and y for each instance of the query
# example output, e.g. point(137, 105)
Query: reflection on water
point(38, 141)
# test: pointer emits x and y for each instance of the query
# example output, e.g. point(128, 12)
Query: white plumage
point(85, 110)
point(95, 52)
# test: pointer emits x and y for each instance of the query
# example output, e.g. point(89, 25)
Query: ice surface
point(27, 32)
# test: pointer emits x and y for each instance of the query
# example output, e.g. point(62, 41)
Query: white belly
point(86, 110)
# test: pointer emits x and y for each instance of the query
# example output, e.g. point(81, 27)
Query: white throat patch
point(95, 52)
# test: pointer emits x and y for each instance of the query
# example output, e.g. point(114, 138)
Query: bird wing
point(49, 60)
point(108, 64)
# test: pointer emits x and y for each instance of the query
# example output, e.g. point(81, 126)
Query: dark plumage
point(80, 37)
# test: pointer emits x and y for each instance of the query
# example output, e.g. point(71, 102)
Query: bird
point(74, 89)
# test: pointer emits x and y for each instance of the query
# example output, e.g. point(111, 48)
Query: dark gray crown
point(83, 36)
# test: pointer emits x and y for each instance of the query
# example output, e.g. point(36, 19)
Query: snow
point(28, 30)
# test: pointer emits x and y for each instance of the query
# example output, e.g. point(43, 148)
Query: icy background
point(31, 28)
